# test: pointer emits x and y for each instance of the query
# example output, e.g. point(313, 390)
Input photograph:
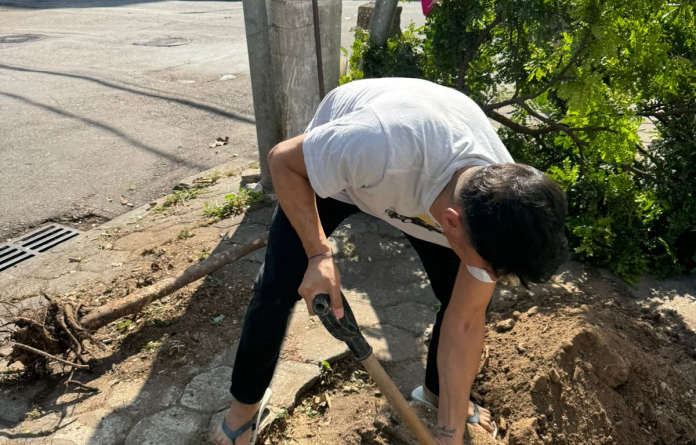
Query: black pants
point(275, 295)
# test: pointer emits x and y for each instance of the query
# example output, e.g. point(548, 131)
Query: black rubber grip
point(345, 329)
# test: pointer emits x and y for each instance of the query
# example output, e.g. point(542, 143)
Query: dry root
point(49, 334)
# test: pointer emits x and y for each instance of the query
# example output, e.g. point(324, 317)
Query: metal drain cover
point(22, 38)
point(164, 42)
point(33, 244)
point(12, 255)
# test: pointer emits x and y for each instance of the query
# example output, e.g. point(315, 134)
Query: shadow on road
point(116, 132)
point(185, 102)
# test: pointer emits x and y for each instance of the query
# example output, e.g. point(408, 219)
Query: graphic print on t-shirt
point(423, 221)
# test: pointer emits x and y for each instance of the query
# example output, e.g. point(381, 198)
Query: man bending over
point(425, 159)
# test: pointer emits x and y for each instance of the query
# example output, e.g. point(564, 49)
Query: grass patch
point(123, 325)
point(309, 410)
point(179, 197)
point(326, 373)
point(154, 251)
point(346, 250)
point(152, 346)
point(254, 165)
point(203, 255)
point(215, 176)
point(184, 234)
point(35, 412)
point(235, 204)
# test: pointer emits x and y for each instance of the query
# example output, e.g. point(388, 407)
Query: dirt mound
point(583, 368)
point(565, 365)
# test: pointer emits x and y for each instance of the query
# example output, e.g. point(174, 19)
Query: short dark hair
point(515, 218)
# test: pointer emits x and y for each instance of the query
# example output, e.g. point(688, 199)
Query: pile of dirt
point(565, 366)
point(573, 367)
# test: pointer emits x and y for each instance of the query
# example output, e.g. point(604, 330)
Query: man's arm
point(459, 353)
point(296, 198)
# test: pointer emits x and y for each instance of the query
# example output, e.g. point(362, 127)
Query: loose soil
point(341, 408)
point(184, 329)
point(591, 367)
point(577, 367)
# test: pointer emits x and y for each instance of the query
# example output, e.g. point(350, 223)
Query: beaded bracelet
point(327, 255)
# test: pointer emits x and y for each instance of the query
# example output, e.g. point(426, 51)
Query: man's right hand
point(322, 277)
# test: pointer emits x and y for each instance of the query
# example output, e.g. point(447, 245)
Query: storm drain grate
point(33, 243)
point(12, 255)
point(45, 238)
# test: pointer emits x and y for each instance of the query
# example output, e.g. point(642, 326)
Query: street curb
point(137, 213)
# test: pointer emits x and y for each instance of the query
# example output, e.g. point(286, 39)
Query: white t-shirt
point(391, 145)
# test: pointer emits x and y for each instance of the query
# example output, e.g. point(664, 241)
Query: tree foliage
point(579, 88)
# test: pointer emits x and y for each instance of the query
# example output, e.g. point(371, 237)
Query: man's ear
point(452, 223)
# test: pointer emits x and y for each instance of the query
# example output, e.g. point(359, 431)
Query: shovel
point(346, 329)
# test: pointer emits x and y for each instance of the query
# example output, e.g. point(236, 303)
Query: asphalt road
point(89, 112)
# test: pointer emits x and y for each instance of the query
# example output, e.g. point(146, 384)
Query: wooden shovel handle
point(397, 401)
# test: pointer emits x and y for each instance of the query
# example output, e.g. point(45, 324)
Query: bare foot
point(238, 414)
point(485, 420)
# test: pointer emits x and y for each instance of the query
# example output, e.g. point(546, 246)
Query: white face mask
point(480, 274)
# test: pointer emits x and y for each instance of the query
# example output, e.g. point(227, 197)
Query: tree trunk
point(134, 303)
point(382, 19)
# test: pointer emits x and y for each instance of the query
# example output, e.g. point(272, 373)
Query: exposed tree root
point(49, 356)
point(57, 332)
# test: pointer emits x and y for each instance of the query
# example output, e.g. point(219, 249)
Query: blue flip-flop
point(254, 423)
point(418, 395)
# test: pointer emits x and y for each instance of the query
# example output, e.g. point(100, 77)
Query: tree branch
point(550, 128)
point(550, 83)
point(661, 106)
point(642, 173)
point(81, 385)
point(516, 126)
point(470, 52)
point(560, 127)
point(646, 153)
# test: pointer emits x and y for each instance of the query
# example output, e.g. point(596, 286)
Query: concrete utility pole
point(293, 53)
point(382, 19)
point(268, 132)
point(283, 66)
